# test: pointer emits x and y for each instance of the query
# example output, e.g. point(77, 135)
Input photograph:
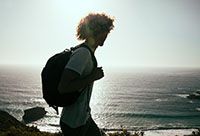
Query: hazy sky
point(147, 32)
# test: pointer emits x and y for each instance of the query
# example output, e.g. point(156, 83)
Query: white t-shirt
point(78, 113)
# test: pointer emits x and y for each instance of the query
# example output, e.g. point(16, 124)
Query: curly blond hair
point(94, 24)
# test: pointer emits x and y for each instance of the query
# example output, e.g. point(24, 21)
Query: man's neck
point(93, 47)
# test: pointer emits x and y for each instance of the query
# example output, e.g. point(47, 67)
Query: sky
point(147, 33)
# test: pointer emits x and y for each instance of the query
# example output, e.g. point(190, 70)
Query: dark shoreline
point(11, 126)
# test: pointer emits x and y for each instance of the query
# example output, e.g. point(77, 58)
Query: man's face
point(101, 38)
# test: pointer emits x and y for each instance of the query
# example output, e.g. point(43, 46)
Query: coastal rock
point(9, 126)
point(33, 114)
point(7, 121)
point(195, 95)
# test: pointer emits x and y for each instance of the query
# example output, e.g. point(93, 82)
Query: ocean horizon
point(135, 99)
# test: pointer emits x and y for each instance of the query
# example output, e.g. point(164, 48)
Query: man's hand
point(97, 73)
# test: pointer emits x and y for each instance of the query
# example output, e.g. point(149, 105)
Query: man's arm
point(71, 81)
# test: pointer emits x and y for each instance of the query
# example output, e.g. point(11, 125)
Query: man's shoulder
point(82, 51)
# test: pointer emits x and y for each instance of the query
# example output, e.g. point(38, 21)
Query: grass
point(34, 131)
point(9, 126)
point(26, 131)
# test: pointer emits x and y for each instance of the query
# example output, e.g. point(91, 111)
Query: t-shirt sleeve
point(78, 61)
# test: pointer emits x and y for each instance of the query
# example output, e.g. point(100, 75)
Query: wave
point(182, 95)
point(151, 116)
point(147, 129)
point(198, 109)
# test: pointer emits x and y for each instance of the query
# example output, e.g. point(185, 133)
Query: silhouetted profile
point(79, 74)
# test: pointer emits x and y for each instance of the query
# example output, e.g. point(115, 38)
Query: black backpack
point(51, 75)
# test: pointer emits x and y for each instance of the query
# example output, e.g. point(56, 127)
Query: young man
point(80, 73)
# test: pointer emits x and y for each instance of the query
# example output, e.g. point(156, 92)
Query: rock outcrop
point(33, 114)
point(9, 126)
point(7, 121)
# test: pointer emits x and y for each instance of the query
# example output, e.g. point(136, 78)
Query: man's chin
point(101, 45)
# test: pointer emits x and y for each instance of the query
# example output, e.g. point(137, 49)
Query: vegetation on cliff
point(9, 126)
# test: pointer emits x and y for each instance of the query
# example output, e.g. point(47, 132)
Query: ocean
point(136, 99)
